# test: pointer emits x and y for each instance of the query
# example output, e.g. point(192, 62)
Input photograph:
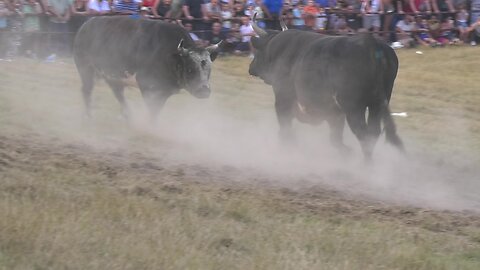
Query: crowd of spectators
point(45, 28)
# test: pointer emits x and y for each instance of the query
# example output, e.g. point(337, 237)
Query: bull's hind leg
point(373, 126)
point(155, 100)
point(357, 122)
point(87, 76)
point(118, 90)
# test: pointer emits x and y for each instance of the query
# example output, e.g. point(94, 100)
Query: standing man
point(195, 13)
point(273, 9)
point(60, 12)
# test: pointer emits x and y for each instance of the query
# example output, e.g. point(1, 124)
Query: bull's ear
point(213, 56)
point(181, 50)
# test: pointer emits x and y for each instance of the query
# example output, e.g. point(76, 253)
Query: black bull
point(316, 78)
point(160, 58)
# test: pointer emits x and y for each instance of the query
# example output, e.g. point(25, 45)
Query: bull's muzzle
point(202, 92)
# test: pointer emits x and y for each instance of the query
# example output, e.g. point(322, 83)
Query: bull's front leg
point(284, 107)
point(155, 100)
point(153, 94)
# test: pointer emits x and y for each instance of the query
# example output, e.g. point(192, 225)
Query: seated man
point(188, 26)
point(216, 35)
point(475, 32)
point(404, 29)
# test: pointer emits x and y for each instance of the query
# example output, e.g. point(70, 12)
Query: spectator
point(434, 26)
point(446, 35)
point(60, 13)
point(440, 6)
point(239, 11)
point(196, 39)
point(148, 3)
point(246, 30)
point(388, 9)
point(310, 22)
point(234, 37)
point(214, 11)
point(98, 7)
point(474, 11)
point(79, 15)
point(405, 30)
point(341, 26)
point(216, 35)
point(194, 11)
point(4, 13)
point(371, 18)
point(462, 23)
point(287, 14)
point(423, 36)
point(227, 16)
point(353, 18)
point(311, 8)
point(126, 7)
point(161, 8)
point(417, 6)
point(475, 32)
point(15, 26)
point(31, 28)
point(272, 10)
point(298, 22)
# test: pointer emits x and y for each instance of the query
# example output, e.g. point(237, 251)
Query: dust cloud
point(209, 133)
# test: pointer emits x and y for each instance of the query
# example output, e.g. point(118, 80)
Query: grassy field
point(203, 191)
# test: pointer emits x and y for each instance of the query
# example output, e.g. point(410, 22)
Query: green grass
point(69, 201)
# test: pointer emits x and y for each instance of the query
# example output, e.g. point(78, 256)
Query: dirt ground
point(211, 148)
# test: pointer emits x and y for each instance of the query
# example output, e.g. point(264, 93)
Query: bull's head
point(260, 64)
point(196, 67)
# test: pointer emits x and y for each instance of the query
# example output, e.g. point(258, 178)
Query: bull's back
point(118, 44)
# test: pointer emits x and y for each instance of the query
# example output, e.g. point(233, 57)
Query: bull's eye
point(203, 63)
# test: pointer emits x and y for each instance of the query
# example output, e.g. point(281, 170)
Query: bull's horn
point(283, 25)
point(260, 32)
point(180, 47)
point(213, 48)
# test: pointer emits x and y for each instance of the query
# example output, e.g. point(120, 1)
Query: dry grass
point(67, 203)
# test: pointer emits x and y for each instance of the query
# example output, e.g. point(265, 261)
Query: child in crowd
point(423, 36)
point(462, 23)
point(246, 30)
point(298, 22)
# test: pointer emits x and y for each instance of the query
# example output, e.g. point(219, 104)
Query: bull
point(317, 78)
point(161, 58)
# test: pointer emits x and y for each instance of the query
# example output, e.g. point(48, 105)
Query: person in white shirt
point(246, 31)
point(371, 18)
point(405, 29)
point(98, 7)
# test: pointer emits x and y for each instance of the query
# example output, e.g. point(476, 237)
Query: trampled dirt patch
point(120, 168)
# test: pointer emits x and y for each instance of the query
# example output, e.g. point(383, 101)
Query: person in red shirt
point(148, 3)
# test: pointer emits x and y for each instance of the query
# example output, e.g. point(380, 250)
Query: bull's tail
point(390, 128)
point(386, 62)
